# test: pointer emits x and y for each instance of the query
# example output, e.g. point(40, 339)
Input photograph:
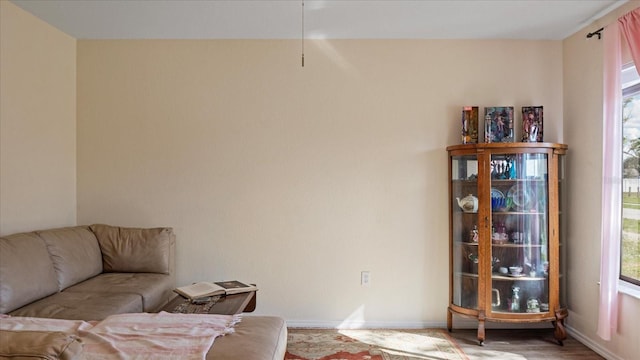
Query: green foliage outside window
point(630, 246)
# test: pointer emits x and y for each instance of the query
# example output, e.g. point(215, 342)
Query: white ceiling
point(333, 19)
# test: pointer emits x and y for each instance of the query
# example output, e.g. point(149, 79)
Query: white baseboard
point(458, 323)
point(588, 342)
point(314, 324)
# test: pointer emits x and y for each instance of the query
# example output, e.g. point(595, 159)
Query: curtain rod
point(597, 32)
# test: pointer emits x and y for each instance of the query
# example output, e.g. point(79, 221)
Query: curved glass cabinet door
point(465, 256)
point(519, 233)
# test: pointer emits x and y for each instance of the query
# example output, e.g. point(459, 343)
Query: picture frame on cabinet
point(470, 125)
point(498, 124)
point(532, 119)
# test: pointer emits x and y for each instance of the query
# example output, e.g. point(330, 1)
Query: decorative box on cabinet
point(506, 251)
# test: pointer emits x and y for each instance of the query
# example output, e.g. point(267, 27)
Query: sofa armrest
point(136, 249)
point(39, 345)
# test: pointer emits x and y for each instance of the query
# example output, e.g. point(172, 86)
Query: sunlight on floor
point(402, 342)
point(405, 344)
point(483, 353)
point(417, 344)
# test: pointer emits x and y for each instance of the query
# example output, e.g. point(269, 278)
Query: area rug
point(377, 344)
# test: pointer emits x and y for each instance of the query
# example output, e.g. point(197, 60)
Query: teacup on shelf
point(515, 270)
point(499, 238)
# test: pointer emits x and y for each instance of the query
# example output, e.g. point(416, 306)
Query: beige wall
point(298, 178)
point(583, 132)
point(294, 178)
point(37, 123)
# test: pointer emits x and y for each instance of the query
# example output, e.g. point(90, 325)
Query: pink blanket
point(137, 336)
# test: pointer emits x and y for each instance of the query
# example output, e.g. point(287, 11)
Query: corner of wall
point(38, 122)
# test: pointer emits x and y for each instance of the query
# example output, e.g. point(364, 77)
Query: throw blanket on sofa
point(137, 336)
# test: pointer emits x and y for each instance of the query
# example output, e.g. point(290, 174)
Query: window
point(630, 245)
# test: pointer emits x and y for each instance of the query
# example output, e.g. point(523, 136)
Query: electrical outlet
point(365, 278)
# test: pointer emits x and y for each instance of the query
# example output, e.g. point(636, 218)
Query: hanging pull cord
point(302, 39)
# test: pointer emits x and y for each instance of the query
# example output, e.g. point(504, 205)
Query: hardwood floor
point(536, 344)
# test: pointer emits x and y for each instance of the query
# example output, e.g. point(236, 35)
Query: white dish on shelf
point(520, 196)
point(516, 275)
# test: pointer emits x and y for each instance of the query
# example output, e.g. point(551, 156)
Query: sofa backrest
point(26, 271)
point(75, 254)
point(135, 249)
point(37, 264)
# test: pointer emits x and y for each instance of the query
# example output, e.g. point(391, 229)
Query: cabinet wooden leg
point(449, 319)
point(560, 333)
point(481, 319)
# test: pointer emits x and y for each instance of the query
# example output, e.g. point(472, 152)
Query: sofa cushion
point(255, 338)
point(133, 249)
point(39, 345)
point(154, 289)
point(82, 306)
point(75, 254)
point(26, 271)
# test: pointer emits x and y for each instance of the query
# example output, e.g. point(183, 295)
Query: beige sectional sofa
point(91, 272)
point(86, 272)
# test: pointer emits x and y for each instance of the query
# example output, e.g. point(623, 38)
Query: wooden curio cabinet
point(506, 249)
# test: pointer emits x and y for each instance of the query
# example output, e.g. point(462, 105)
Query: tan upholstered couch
point(86, 272)
point(91, 272)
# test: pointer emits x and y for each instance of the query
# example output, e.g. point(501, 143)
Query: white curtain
point(629, 25)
